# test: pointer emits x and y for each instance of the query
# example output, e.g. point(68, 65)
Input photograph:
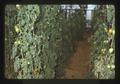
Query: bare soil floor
point(77, 66)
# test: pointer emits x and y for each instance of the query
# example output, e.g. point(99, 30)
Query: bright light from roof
point(91, 7)
point(75, 6)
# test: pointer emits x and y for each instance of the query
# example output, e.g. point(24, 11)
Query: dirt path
point(78, 65)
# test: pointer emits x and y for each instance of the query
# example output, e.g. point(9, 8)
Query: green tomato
point(113, 32)
point(18, 6)
point(17, 29)
point(108, 66)
point(106, 41)
point(113, 66)
point(28, 63)
point(18, 42)
point(15, 42)
point(110, 50)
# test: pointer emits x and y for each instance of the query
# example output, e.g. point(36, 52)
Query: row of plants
point(43, 40)
point(25, 49)
point(103, 43)
point(77, 22)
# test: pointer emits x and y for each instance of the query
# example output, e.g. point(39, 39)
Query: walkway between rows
point(78, 65)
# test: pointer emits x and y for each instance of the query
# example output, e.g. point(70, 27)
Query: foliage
point(103, 46)
point(77, 22)
point(37, 46)
point(51, 34)
point(25, 51)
